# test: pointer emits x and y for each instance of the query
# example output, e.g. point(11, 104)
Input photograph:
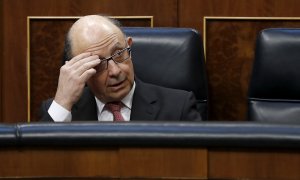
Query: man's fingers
point(78, 70)
point(88, 74)
point(86, 66)
point(83, 61)
point(79, 57)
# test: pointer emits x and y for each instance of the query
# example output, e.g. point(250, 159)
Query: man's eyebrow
point(116, 46)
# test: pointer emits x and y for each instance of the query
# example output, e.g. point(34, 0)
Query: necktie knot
point(115, 109)
point(114, 106)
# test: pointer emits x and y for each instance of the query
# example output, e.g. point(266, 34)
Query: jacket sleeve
point(190, 112)
point(44, 115)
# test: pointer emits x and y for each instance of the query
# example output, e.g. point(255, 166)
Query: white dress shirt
point(60, 114)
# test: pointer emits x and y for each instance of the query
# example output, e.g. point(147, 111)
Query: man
point(100, 56)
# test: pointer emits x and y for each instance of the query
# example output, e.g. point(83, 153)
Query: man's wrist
point(66, 105)
point(58, 113)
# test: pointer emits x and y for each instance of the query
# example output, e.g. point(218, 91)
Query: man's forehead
point(112, 42)
point(94, 35)
point(94, 24)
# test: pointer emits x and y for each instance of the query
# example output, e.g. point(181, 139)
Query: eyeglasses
point(118, 57)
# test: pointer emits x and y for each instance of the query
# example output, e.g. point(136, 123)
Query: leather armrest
point(206, 134)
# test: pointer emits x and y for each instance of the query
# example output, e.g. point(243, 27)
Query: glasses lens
point(102, 66)
point(120, 56)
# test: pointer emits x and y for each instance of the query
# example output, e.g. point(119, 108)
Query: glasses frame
point(119, 53)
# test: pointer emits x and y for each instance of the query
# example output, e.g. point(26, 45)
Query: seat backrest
point(274, 91)
point(171, 57)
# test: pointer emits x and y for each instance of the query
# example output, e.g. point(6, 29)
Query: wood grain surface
point(228, 76)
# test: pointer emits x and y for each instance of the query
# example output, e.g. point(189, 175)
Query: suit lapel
point(144, 103)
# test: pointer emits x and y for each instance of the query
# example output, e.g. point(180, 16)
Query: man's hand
point(72, 78)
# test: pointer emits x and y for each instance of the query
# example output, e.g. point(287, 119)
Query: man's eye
point(119, 53)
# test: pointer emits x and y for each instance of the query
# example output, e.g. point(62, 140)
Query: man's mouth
point(115, 84)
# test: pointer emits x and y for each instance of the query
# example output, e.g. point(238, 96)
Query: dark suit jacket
point(150, 102)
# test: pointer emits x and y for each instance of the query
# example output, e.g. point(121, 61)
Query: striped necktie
point(115, 109)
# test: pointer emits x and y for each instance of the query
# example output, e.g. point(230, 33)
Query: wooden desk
point(204, 150)
point(256, 164)
point(104, 162)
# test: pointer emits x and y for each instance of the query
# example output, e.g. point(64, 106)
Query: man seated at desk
point(98, 55)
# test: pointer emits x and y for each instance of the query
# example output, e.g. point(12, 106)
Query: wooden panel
point(45, 60)
point(45, 55)
point(151, 163)
point(191, 12)
point(228, 91)
point(14, 65)
point(39, 162)
point(171, 13)
point(15, 12)
point(254, 164)
point(230, 46)
point(163, 162)
point(143, 163)
point(1, 55)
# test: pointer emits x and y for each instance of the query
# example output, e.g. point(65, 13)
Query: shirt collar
point(127, 100)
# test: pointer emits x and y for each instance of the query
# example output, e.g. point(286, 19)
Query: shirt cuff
point(59, 113)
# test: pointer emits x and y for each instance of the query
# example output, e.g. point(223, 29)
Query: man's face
point(100, 37)
point(115, 82)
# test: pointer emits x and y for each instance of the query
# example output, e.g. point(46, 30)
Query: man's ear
point(129, 41)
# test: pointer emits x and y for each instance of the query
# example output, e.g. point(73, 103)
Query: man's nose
point(113, 68)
